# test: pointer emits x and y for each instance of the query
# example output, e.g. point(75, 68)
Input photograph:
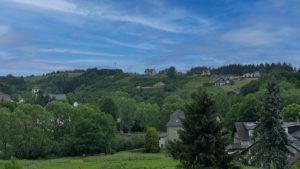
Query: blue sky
point(39, 36)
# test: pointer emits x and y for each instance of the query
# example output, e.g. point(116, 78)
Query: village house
point(251, 75)
point(223, 81)
point(206, 73)
point(4, 97)
point(150, 72)
point(58, 96)
point(174, 125)
point(243, 136)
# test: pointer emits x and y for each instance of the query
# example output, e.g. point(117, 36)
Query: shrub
point(152, 141)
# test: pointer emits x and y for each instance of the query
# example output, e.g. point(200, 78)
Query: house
point(223, 81)
point(251, 75)
point(162, 140)
point(4, 97)
point(150, 72)
point(206, 73)
point(35, 91)
point(174, 125)
point(58, 96)
point(243, 136)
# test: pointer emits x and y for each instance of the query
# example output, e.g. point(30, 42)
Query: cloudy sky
point(39, 36)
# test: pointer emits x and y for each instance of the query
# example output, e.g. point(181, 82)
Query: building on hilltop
point(58, 96)
point(223, 81)
point(150, 72)
point(4, 97)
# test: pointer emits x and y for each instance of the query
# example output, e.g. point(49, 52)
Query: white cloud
point(77, 52)
point(145, 46)
point(109, 11)
point(256, 36)
point(56, 5)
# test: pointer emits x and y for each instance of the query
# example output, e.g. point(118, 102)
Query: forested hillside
point(128, 103)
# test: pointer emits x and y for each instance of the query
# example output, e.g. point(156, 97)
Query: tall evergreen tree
point(270, 137)
point(202, 142)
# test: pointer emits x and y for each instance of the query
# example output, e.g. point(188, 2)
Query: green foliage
point(251, 87)
point(126, 108)
point(171, 104)
point(202, 143)
point(13, 164)
point(124, 142)
point(147, 115)
point(171, 72)
point(270, 137)
point(109, 106)
point(152, 140)
point(291, 112)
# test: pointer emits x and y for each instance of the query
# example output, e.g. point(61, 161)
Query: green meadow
point(121, 160)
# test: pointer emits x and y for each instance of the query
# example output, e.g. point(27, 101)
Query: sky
point(40, 36)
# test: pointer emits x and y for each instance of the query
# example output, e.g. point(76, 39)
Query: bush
point(152, 141)
point(128, 142)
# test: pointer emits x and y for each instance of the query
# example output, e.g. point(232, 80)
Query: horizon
point(39, 37)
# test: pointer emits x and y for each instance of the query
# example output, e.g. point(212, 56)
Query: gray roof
point(241, 131)
point(58, 96)
point(4, 97)
point(176, 119)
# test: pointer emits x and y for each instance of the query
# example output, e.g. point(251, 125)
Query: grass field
point(122, 160)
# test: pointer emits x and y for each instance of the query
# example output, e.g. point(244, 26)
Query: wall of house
point(172, 133)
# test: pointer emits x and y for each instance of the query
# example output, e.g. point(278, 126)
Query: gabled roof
point(241, 131)
point(176, 119)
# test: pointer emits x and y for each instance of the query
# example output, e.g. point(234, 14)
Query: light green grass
point(122, 160)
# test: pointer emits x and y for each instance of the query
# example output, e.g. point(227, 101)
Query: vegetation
point(270, 137)
point(202, 143)
point(152, 140)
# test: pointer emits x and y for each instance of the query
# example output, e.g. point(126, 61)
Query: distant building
point(58, 96)
point(4, 97)
point(150, 72)
point(251, 75)
point(35, 91)
point(223, 81)
point(206, 73)
point(162, 140)
point(174, 125)
point(243, 136)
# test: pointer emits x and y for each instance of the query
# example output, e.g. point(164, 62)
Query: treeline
point(58, 129)
point(239, 69)
point(10, 84)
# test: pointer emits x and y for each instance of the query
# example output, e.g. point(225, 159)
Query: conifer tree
point(202, 142)
point(271, 141)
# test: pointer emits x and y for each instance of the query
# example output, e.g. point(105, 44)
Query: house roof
point(241, 131)
point(58, 96)
point(176, 119)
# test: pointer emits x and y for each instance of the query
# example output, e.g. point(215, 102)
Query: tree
point(109, 106)
point(94, 131)
point(30, 132)
point(171, 72)
point(61, 125)
point(291, 112)
point(171, 104)
point(270, 137)
point(146, 115)
point(126, 108)
point(151, 141)
point(202, 142)
point(5, 130)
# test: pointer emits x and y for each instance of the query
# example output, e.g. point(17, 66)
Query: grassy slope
point(122, 160)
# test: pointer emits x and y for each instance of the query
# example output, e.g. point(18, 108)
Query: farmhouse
point(223, 81)
point(243, 136)
point(174, 125)
point(4, 97)
point(150, 72)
